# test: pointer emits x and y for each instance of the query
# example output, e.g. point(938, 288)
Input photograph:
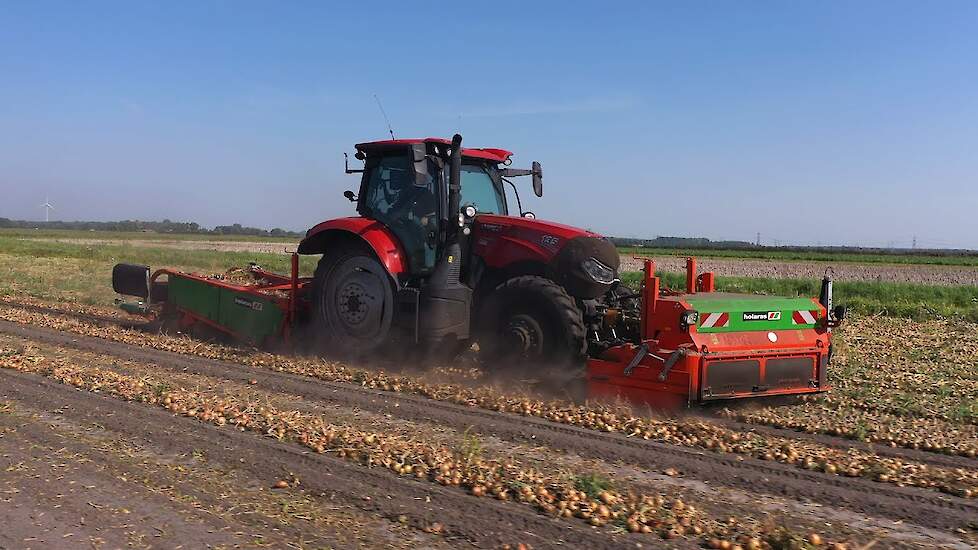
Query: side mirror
point(537, 179)
point(350, 196)
point(346, 163)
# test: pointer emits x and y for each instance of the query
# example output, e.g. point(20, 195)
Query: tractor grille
point(791, 372)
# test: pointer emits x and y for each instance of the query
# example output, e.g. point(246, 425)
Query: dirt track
point(68, 483)
point(925, 513)
point(476, 521)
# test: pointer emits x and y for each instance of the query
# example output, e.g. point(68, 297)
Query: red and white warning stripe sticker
point(804, 317)
point(716, 320)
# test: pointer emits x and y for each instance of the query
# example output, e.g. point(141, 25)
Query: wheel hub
point(354, 303)
point(524, 335)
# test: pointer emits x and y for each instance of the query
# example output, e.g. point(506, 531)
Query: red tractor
point(436, 257)
point(435, 260)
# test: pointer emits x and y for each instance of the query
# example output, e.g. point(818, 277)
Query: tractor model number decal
point(762, 315)
point(245, 302)
point(549, 241)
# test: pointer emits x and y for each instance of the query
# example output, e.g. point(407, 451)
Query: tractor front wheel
point(353, 300)
point(530, 323)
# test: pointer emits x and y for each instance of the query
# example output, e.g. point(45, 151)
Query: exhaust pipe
point(455, 184)
point(445, 303)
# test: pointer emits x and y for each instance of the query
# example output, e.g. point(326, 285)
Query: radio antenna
point(387, 120)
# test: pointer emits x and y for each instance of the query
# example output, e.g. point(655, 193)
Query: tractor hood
point(555, 229)
point(506, 241)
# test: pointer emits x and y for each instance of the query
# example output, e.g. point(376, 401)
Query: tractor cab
point(406, 186)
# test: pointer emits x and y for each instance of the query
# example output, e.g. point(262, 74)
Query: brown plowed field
point(184, 244)
point(93, 404)
point(843, 271)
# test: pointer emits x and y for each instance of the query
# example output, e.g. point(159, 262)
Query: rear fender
point(330, 233)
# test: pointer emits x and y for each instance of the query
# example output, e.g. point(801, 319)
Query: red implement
point(705, 346)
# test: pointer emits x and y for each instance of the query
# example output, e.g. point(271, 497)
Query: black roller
point(131, 280)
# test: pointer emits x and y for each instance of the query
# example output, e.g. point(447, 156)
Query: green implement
point(723, 312)
point(250, 317)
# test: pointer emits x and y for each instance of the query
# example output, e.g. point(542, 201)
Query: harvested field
point(71, 483)
point(511, 445)
point(601, 418)
point(262, 247)
point(945, 275)
point(447, 456)
point(38, 268)
point(897, 383)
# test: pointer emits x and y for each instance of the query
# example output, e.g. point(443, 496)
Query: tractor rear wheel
point(531, 323)
point(353, 302)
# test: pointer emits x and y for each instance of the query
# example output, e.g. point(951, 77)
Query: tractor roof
point(492, 155)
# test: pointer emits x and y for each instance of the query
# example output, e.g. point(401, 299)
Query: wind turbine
point(48, 207)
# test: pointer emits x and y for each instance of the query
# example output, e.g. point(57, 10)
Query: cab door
point(403, 197)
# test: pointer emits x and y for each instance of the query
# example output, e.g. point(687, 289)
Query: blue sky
point(819, 122)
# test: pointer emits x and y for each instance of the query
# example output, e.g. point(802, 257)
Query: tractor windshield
point(479, 190)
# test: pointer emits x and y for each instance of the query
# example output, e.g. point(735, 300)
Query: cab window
point(479, 190)
point(388, 179)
